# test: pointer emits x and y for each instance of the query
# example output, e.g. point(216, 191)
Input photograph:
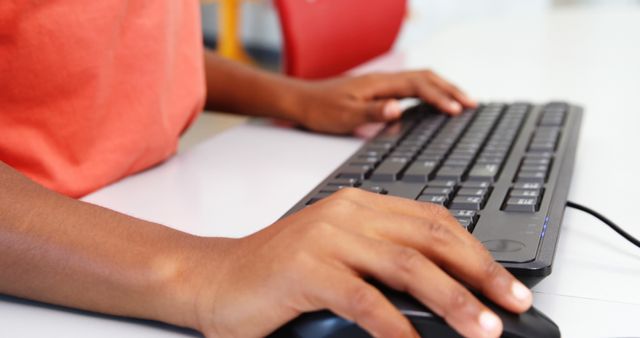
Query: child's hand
point(341, 105)
point(317, 259)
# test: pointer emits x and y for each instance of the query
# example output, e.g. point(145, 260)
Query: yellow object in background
point(229, 42)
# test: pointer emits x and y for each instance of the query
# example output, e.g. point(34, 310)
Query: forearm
point(236, 88)
point(338, 105)
point(58, 250)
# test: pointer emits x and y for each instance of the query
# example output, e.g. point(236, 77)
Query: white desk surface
point(247, 177)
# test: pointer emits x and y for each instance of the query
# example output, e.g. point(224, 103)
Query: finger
point(387, 86)
point(437, 97)
point(393, 204)
point(368, 130)
point(352, 298)
point(415, 84)
point(451, 89)
point(446, 246)
point(381, 110)
point(491, 278)
point(423, 84)
point(408, 270)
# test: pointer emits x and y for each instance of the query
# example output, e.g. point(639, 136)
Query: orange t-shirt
point(93, 91)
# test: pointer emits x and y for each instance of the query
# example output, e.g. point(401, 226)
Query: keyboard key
point(472, 192)
point(372, 153)
point(389, 169)
point(402, 154)
point(467, 203)
point(494, 154)
point(490, 160)
point(436, 199)
point(443, 183)
point(549, 134)
point(450, 173)
point(552, 121)
point(475, 184)
point(430, 157)
point(466, 223)
point(527, 185)
point(484, 172)
point(542, 146)
point(330, 189)
point(442, 148)
point(525, 193)
point(364, 160)
point(469, 216)
point(536, 161)
point(534, 168)
point(454, 162)
point(405, 150)
point(420, 171)
point(438, 191)
point(355, 171)
point(521, 204)
point(375, 189)
point(461, 156)
point(382, 144)
point(497, 146)
point(350, 182)
point(553, 115)
point(409, 146)
point(531, 176)
point(463, 213)
point(539, 154)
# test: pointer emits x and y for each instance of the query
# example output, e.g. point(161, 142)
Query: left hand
point(341, 105)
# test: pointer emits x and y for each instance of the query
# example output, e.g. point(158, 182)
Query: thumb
point(382, 110)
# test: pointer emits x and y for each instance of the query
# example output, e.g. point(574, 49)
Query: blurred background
point(258, 29)
point(254, 27)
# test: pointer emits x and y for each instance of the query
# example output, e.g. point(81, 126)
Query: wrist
point(193, 271)
point(293, 99)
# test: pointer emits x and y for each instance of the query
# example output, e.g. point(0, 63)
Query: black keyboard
point(503, 170)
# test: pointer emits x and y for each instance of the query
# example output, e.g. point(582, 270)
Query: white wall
point(260, 23)
point(428, 16)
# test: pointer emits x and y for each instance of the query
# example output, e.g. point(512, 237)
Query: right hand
point(318, 257)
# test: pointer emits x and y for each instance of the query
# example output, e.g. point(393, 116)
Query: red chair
point(323, 38)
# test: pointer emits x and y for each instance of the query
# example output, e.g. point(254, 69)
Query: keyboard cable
point(608, 222)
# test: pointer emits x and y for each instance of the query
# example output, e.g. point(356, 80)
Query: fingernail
point(489, 321)
point(520, 292)
point(455, 106)
point(392, 110)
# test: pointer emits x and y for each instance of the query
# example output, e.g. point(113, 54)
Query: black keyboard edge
point(530, 272)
